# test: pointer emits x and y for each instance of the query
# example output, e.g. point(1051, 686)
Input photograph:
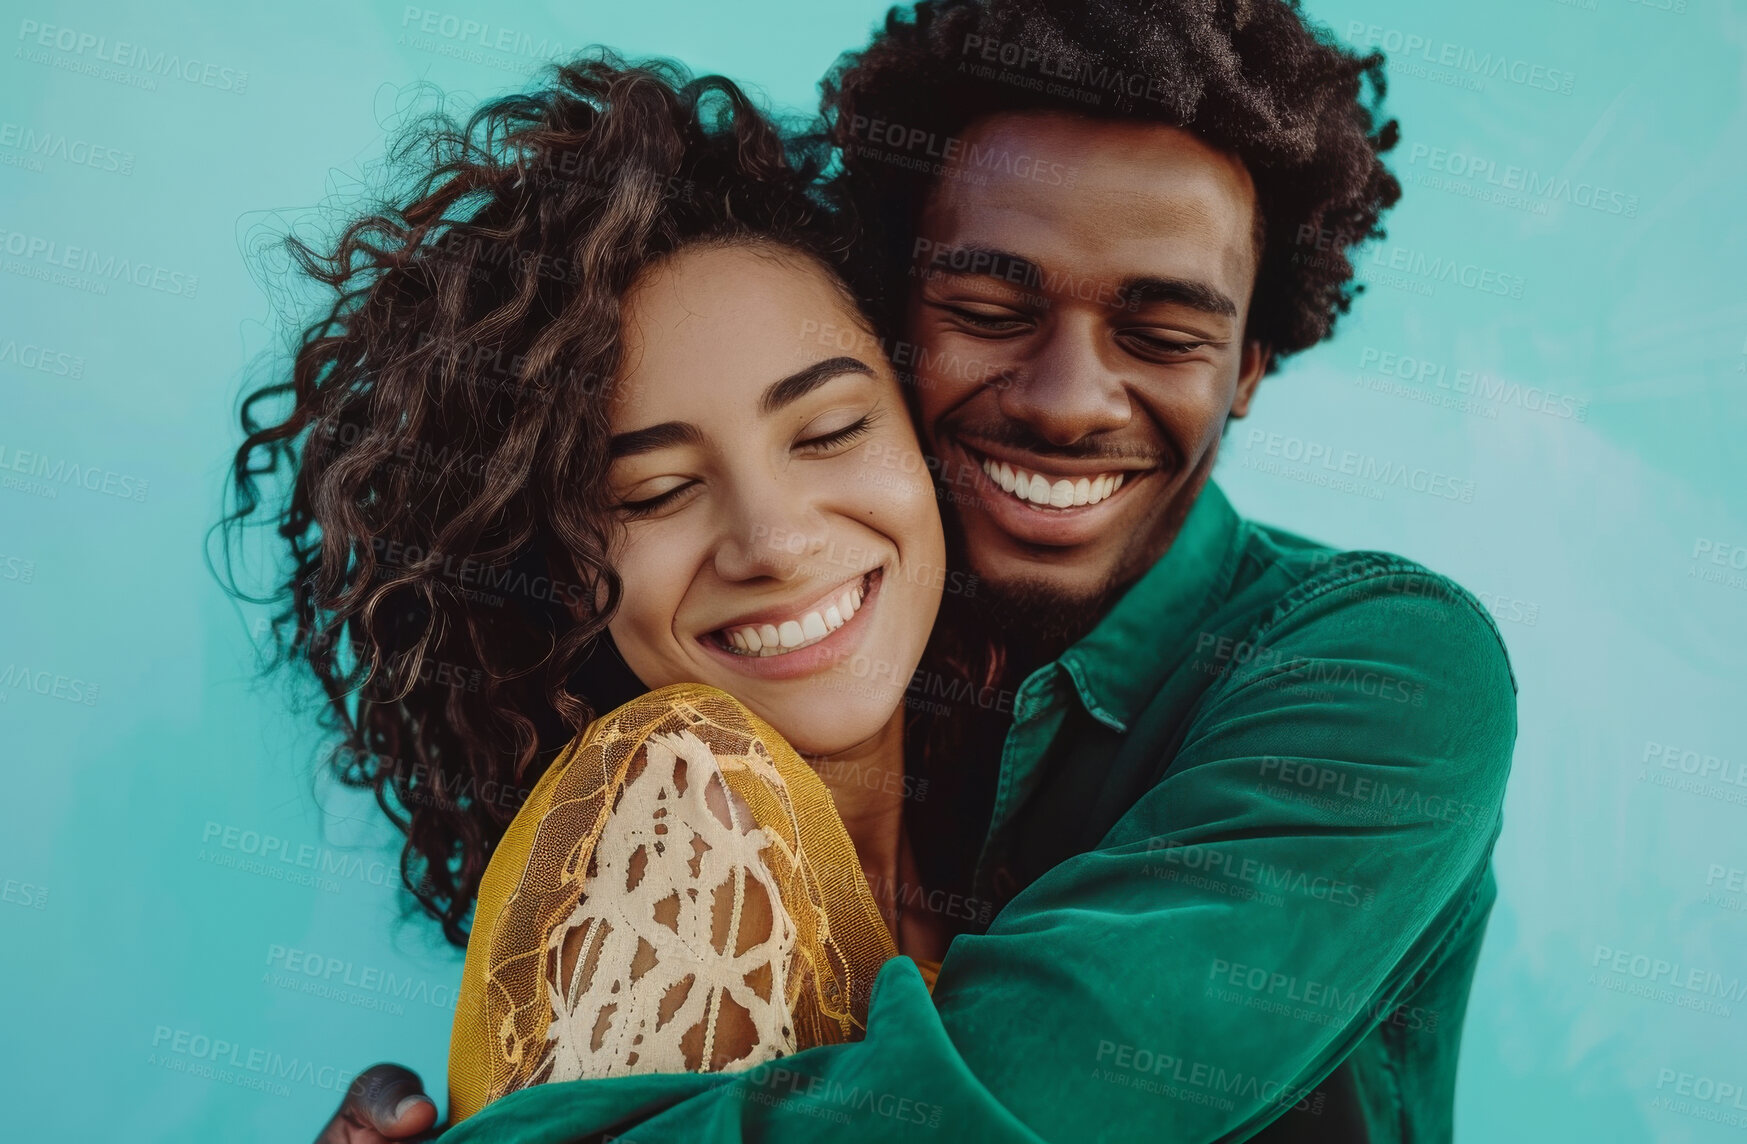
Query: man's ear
point(1250, 371)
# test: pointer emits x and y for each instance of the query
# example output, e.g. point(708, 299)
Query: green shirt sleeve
point(1314, 844)
point(1319, 837)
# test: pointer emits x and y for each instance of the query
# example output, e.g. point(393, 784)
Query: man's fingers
point(389, 1100)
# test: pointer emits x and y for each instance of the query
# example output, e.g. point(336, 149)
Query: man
point(1244, 809)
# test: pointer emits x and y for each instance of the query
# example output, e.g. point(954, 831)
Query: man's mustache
point(1008, 435)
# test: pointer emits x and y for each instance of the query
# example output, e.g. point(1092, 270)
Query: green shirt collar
point(1113, 682)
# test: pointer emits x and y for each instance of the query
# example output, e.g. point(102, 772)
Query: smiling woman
point(764, 559)
point(681, 893)
point(589, 327)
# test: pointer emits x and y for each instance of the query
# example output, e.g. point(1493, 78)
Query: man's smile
point(1039, 490)
point(1052, 501)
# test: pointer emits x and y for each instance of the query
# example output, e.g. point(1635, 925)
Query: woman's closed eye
point(667, 497)
point(662, 494)
point(836, 438)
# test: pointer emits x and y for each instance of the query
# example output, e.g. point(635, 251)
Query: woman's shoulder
point(684, 715)
point(679, 705)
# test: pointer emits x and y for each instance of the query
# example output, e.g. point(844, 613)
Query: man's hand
point(386, 1102)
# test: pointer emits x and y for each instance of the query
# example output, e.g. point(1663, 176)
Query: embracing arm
point(1130, 987)
point(1318, 842)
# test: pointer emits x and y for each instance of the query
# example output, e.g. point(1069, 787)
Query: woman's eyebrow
point(804, 381)
point(778, 394)
point(662, 436)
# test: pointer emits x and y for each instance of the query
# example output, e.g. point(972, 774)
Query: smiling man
point(1239, 823)
point(1110, 317)
point(1239, 826)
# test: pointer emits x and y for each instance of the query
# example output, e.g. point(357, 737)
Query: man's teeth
point(792, 635)
point(1060, 493)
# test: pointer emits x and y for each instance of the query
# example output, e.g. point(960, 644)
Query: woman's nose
point(774, 534)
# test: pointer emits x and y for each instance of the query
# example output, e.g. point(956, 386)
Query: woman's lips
point(781, 633)
point(813, 653)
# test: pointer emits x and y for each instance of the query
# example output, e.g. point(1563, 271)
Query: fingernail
point(409, 1103)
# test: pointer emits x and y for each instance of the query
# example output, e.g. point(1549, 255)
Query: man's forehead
point(1007, 143)
point(1124, 195)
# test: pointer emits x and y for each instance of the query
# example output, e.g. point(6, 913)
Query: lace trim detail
point(677, 893)
point(663, 947)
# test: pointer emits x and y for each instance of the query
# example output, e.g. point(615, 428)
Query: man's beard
point(1029, 620)
point(1038, 621)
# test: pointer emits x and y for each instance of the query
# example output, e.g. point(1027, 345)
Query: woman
point(569, 433)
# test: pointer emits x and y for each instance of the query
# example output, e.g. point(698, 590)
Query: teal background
point(1608, 536)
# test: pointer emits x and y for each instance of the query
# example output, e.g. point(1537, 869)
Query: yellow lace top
point(678, 894)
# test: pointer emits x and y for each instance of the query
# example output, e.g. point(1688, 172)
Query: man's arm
point(1137, 988)
point(1318, 839)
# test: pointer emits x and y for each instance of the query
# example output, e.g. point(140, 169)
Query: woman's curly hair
point(440, 440)
point(1249, 77)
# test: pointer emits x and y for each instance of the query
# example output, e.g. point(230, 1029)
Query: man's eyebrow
point(804, 381)
point(986, 262)
point(662, 436)
point(1016, 269)
point(1180, 291)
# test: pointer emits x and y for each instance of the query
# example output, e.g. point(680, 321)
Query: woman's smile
point(779, 630)
point(786, 642)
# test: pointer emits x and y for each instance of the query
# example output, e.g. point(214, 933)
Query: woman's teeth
point(1035, 488)
point(803, 631)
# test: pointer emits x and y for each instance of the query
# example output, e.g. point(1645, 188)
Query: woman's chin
point(825, 722)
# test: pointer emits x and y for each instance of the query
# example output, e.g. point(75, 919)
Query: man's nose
point(773, 531)
point(1067, 389)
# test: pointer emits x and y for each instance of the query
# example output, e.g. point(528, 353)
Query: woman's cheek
point(899, 500)
point(893, 468)
point(911, 492)
point(643, 625)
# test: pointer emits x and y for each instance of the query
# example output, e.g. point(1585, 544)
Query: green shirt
point(1242, 832)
